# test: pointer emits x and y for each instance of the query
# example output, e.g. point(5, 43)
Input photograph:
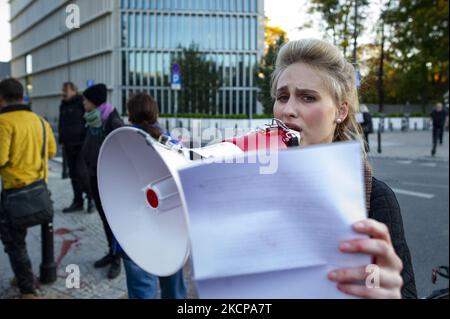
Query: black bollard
point(48, 265)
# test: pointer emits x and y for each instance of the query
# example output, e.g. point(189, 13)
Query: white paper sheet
point(275, 235)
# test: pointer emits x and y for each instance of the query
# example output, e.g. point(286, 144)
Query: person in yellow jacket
point(21, 139)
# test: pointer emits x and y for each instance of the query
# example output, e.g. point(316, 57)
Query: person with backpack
point(26, 144)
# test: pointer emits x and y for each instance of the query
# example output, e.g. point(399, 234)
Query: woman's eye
point(308, 98)
point(283, 98)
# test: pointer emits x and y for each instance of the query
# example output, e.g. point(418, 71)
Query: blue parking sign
point(175, 77)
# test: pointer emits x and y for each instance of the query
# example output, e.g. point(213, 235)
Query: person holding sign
point(315, 93)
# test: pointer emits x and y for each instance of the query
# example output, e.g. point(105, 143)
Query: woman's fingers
point(378, 277)
point(384, 251)
point(373, 228)
point(372, 293)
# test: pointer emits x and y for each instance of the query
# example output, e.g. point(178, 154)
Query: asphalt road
point(422, 189)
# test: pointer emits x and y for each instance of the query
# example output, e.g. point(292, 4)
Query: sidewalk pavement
point(412, 145)
point(79, 239)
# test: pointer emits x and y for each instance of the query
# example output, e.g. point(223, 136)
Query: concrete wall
point(60, 54)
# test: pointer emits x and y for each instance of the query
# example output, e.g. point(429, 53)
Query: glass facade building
point(229, 33)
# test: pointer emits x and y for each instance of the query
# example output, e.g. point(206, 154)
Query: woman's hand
point(379, 246)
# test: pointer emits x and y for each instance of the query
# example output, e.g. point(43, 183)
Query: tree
point(275, 37)
point(419, 48)
point(343, 21)
point(272, 34)
point(200, 82)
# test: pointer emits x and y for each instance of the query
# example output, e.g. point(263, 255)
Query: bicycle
point(441, 271)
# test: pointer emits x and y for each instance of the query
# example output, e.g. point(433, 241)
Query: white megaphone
point(140, 190)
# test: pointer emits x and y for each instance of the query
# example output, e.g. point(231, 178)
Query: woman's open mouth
point(294, 127)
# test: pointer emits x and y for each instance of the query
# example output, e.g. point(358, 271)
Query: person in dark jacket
point(21, 165)
point(315, 94)
point(71, 133)
point(439, 120)
point(101, 118)
point(365, 120)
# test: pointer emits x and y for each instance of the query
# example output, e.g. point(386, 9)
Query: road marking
point(404, 162)
point(411, 193)
point(425, 185)
point(429, 164)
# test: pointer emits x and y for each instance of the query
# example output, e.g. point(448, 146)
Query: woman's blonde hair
point(339, 79)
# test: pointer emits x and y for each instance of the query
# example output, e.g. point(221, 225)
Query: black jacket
point(93, 143)
point(367, 125)
point(71, 124)
point(385, 209)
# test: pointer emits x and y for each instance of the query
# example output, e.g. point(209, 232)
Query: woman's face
point(88, 105)
point(304, 104)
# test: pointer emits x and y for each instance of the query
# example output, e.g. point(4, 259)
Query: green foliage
point(200, 82)
point(419, 47)
point(416, 67)
point(339, 23)
point(264, 72)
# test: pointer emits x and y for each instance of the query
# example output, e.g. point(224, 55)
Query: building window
point(152, 29)
point(145, 30)
point(152, 69)
point(233, 33)
point(227, 34)
point(159, 28)
point(124, 68)
point(220, 33)
point(240, 32)
point(131, 27)
point(167, 35)
point(138, 26)
point(124, 30)
point(138, 68)
point(131, 69)
point(247, 40)
point(173, 31)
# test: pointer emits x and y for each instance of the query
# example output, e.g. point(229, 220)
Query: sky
point(287, 14)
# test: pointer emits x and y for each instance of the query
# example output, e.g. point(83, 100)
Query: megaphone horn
point(140, 192)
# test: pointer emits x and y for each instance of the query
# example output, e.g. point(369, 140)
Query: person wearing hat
point(101, 119)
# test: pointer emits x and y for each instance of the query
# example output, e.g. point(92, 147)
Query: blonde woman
point(315, 94)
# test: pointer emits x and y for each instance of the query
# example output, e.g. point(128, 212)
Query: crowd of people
point(314, 91)
point(84, 122)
